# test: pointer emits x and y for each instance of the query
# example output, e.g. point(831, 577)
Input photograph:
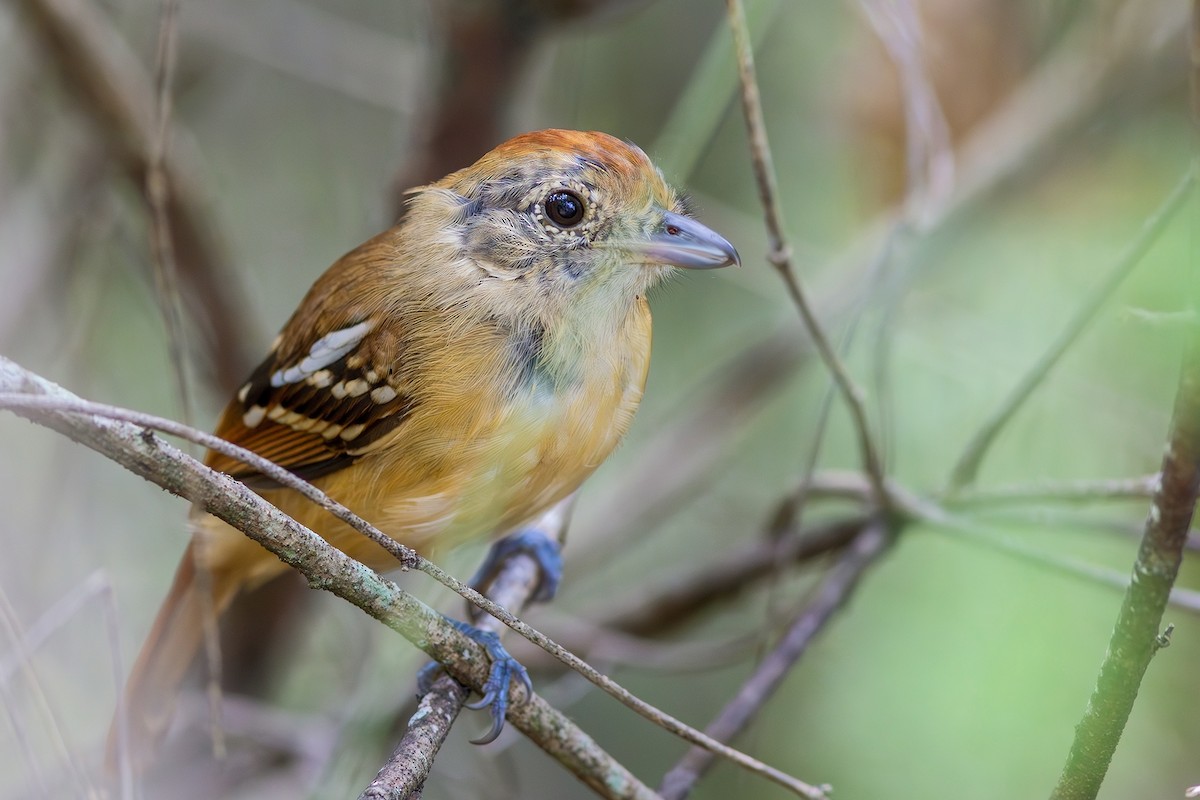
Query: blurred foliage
point(957, 671)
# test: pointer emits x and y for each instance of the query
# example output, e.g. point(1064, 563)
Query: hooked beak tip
point(686, 243)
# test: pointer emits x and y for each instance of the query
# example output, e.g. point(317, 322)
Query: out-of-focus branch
point(1066, 492)
point(158, 192)
point(833, 593)
point(968, 463)
point(675, 601)
point(486, 46)
point(112, 87)
point(408, 768)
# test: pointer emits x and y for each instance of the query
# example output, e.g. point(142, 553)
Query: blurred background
point(949, 215)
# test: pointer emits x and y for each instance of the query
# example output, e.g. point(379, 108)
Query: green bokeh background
point(958, 670)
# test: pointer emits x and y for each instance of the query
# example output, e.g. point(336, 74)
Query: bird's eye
point(564, 209)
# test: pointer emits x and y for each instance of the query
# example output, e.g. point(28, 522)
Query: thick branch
point(74, 421)
point(327, 568)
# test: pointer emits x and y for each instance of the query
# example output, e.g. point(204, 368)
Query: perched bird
point(449, 379)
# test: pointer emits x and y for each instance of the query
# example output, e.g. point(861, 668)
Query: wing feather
point(319, 407)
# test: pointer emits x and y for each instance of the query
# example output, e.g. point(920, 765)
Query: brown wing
point(320, 409)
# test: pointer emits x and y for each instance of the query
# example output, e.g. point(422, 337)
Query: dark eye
point(564, 209)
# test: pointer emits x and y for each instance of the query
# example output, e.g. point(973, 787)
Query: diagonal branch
point(968, 463)
point(325, 567)
point(832, 594)
point(46, 403)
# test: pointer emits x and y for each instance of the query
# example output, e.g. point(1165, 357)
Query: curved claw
point(496, 689)
point(534, 543)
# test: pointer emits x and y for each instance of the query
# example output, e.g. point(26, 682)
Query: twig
point(674, 601)
point(411, 761)
point(780, 253)
point(967, 467)
point(1083, 491)
point(930, 155)
point(62, 411)
point(1133, 641)
point(1069, 90)
point(914, 508)
point(112, 87)
point(834, 591)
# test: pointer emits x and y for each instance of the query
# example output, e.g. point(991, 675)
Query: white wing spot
point(352, 431)
point(253, 416)
point(357, 387)
point(383, 394)
point(325, 351)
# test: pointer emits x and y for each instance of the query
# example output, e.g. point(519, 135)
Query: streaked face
point(576, 210)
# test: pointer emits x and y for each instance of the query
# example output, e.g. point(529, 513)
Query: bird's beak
point(683, 242)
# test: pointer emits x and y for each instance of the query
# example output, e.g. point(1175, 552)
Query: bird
point(448, 380)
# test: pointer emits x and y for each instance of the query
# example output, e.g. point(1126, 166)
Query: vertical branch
point(780, 254)
point(404, 775)
point(1136, 637)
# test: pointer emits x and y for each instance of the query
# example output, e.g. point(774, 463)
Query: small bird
point(449, 379)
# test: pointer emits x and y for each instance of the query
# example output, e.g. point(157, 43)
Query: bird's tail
point(174, 641)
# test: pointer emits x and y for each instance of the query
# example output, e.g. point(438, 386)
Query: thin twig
point(1072, 492)
point(968, 463)
point(162, 244)
point(16, 384)
point(35, 694)
point(780, 255)
point(673, 601)
point(917, 509)
point(833, 593)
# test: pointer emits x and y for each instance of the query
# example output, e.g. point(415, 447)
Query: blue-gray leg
point(544, 549)
point(534, 543)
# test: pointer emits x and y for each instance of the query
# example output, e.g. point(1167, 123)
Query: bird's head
point(572, 213)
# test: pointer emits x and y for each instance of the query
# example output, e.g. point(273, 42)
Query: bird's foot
point(495, 689)
point(534, 543)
